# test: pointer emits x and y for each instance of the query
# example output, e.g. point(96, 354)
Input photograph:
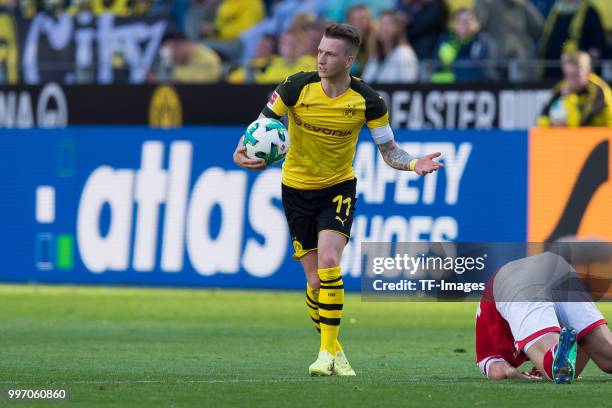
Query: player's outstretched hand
point(535, 373)
point(242, 160)
point(427, 164)
point(528, 376)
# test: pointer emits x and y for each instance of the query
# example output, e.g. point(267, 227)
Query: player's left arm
point(377, 120)
point(399, 159)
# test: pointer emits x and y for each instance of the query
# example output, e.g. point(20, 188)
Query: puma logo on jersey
point(342, 221)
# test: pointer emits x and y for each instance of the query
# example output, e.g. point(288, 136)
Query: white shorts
point(530, 320)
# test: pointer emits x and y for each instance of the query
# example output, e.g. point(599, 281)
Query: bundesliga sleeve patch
point(272, 100)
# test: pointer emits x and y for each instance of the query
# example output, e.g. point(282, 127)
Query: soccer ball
point(266, 139)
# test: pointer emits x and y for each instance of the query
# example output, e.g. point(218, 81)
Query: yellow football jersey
point(323, 131)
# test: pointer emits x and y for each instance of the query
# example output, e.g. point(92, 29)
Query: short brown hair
point(346, 33)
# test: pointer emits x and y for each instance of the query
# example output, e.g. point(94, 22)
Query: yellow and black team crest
point(297, 246)
point(350, 111)
point(298, 249)
point(165, 109)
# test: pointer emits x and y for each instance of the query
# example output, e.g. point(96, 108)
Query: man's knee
point(328, 259)
point(312, 277)
point(313, 281)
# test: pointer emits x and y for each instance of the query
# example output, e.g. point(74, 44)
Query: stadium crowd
point(404, 41)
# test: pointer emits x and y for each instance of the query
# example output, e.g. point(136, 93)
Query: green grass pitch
point(162, 347)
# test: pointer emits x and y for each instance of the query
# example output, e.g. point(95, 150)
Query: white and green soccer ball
point(266, 139)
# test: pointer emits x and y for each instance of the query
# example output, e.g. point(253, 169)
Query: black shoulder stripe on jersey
point(269, 113)
point(594, 105)
point(290, 89)
point(375, 104)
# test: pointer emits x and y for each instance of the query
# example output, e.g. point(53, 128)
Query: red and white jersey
point(506, 325)
point(494, 340)
point(504, 328)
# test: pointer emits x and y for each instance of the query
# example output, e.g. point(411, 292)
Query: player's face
point(333, 58)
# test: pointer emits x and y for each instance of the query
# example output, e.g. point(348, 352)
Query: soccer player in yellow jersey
point(326, 110)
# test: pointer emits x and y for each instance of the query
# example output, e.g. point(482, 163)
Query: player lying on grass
point(326, 110)
point(520, 318)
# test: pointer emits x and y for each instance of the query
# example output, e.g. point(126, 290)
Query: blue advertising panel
point(133, 205)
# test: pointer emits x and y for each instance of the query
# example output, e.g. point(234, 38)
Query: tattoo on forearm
point(394, 156)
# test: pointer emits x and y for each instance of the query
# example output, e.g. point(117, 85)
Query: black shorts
point(309, 212)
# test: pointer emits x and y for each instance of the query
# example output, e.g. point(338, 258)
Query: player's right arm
point(242, 160)
point(490, 345)
point(502, 370)
point(278, 104)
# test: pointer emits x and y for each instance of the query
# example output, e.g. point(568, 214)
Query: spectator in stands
point(185, 61)
point(233, 18)
point(27, 8)
point(9, 41)
point(201, 13)
point(463, 54)
point(54, 7)
point(360, 17)
point(581, 98)
point(514, 26)
point(141, 8)
point(392, 60)
point(119, 8)
point(309, 34)
point(282, 17)
point(265, 51)
point(337, 10)
point(572, 25)
point(7, 5)
point(425, 22)
point(175, 10)
point(80, 6)
point(543, 6)
point(287, 63)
